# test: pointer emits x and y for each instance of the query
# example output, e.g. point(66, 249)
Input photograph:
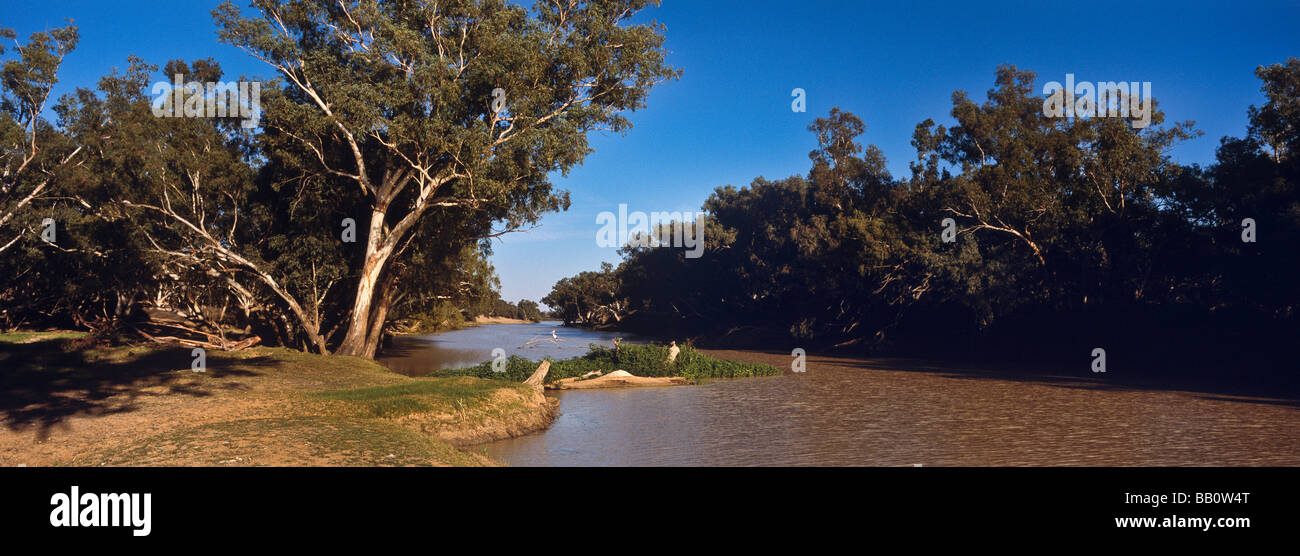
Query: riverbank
point(426, 327)
point(67, 404)
point(500, 320)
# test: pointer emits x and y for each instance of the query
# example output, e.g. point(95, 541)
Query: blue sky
point(728, 120)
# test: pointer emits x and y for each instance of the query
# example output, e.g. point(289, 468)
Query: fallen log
point(616, 379)
point(539, 376)
point(218, 344)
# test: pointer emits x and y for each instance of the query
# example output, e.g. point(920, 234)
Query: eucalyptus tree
point(31, 149)
point(1255, 183)
point(35, 155)
point(417, 106)
point(168, 201)
point(1054, 204)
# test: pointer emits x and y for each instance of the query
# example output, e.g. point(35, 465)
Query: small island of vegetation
point(643, 360)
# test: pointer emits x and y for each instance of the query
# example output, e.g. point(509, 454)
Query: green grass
point(24, 337)
point(639, 360)
point(421, 396)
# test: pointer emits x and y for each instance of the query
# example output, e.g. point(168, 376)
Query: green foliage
point(380, 114)
point(433, 122)
point(529, 310)
point(442, 316)
point(637, 359)
point(35, 158)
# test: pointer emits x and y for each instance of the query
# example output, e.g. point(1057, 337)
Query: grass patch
point(26, 337)
point(419, 396)
point(639, 360)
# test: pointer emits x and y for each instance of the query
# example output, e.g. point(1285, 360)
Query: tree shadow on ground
point(44, 383)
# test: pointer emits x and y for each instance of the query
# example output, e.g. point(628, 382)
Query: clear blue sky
point(728, 119)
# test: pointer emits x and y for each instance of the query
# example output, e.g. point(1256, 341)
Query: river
point(419, 355)
point(884, 412)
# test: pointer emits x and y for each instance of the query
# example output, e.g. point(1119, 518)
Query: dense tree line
point(524, 310)
point(1017, 235)
point(421, 129)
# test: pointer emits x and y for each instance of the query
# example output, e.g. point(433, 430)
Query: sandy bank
point(499, 320)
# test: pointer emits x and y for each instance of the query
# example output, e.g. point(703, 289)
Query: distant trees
point(529, 310)
point(1057, 229)
point(589, 299)
point(524, 310)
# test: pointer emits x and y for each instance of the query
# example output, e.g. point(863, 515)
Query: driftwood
point(214, 343)
point(161, 322)
point(539, 376)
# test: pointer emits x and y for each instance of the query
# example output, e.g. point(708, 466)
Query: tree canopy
point(394, 140)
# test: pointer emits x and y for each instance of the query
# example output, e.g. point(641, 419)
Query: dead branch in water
point(555, 341)
point(539, 376)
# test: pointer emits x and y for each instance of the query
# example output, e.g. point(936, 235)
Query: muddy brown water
point(883, 412)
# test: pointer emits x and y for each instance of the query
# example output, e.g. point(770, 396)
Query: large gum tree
point(416, 106)
point(31, 149)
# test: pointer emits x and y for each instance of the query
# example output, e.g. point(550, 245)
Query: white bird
point(553, 336)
